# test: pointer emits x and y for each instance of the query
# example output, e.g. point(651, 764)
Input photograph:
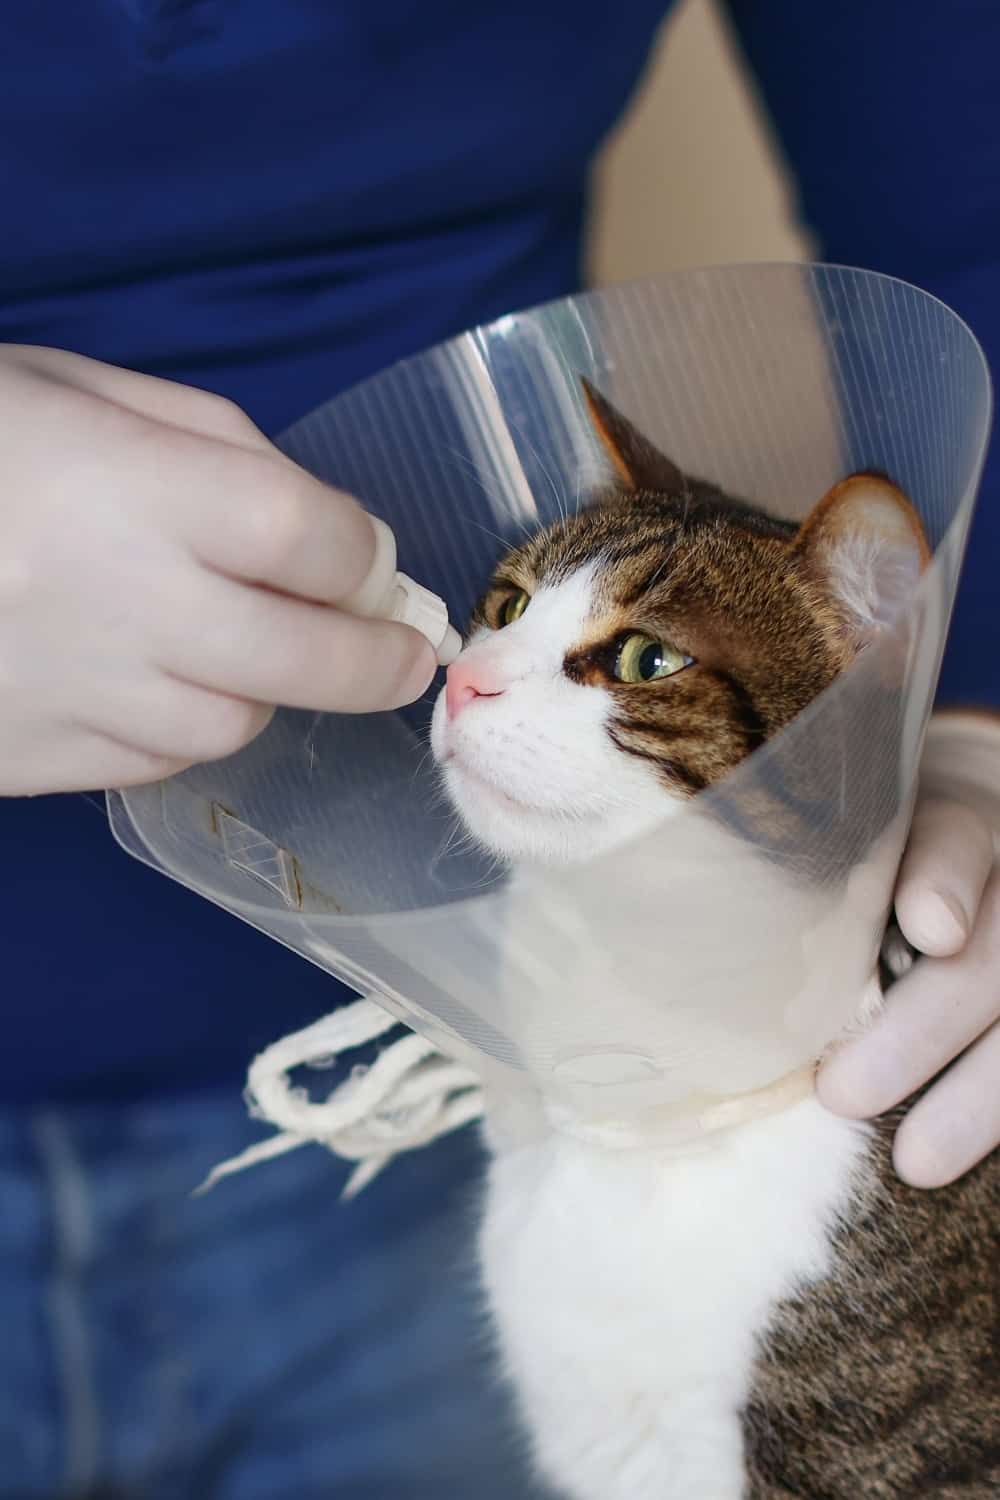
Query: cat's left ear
point(637, 463)
point(868, 543)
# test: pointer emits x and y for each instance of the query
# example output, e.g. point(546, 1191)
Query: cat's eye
point(513, 608)
point(642, 659)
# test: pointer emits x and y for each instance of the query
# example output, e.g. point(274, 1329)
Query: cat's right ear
point(867, 542)
point(638, 465)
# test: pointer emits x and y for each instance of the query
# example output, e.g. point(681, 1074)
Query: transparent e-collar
point(726, 950)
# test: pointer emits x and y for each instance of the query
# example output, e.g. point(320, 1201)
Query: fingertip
point(419, 674)
point(259, 720)
point(942, 876)
point(841, 1084)
point(918, 1160)
point(934, 920)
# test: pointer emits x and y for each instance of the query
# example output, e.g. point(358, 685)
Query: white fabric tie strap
point(407, 1098)
point(687, 1123)
point(411, 1095)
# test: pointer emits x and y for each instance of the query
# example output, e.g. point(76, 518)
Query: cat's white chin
point(524, 831)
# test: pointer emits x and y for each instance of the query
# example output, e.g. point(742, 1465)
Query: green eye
point(514, 608)
point(642, 659)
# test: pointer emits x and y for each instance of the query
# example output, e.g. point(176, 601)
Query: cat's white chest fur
point(630, 1289)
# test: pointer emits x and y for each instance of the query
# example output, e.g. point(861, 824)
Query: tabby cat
point(773, 1314)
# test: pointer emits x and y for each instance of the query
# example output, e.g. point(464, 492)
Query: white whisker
point(557, 496)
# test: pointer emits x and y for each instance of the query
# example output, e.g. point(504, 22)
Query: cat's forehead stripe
point(622, 556)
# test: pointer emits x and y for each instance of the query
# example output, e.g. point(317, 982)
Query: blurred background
point(684, 183)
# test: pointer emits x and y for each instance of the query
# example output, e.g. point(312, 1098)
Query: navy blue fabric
point(273, 201)
point(277, 200)
point(889, 118)
point(264, 1342)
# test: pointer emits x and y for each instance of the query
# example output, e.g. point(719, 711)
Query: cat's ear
point(637, 463)
point(867, 541)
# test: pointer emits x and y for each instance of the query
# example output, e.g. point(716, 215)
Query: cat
point(773, 1314)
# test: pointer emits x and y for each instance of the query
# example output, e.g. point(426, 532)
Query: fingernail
point(858, 1080)
point(423, 673)
point(937, 922)
point(923, 1162)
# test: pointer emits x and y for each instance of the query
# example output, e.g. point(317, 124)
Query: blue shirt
point(275, 200)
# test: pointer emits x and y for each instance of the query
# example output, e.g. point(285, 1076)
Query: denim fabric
point(264, 1342)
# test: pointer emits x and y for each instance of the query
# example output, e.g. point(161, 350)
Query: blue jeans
point(264, 1342)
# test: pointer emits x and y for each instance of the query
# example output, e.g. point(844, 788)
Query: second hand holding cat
point(946, 1010)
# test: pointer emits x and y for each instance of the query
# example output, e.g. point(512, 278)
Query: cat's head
point(628, 656)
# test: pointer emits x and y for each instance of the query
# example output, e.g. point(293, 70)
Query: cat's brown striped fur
point(736, 589)
point(883, 1381)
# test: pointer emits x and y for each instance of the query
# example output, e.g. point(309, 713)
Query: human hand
point(166, 577)
point(946, 1010)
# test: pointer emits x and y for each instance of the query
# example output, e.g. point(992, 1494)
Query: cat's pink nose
point(468, 680)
